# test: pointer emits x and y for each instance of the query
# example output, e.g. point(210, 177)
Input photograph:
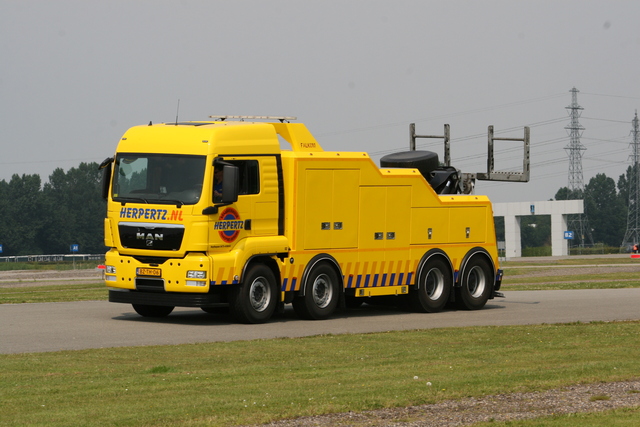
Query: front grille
point(150, 236)
point(149, 285)
point(150, 259)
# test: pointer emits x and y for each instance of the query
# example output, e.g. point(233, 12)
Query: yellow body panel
point(377, 224)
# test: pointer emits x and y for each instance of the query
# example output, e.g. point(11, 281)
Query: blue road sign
point(0, 248)
point(75, 248)
point(568, 235)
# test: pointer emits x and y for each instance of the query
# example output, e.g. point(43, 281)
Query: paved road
point(26, 328)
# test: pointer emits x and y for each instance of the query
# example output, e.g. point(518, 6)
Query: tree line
point(40, 219)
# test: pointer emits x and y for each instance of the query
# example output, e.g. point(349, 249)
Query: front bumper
point(169, 299)
point(172, 273)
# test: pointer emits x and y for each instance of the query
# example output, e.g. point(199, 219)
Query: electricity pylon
point(579, 224)
point(632, 235)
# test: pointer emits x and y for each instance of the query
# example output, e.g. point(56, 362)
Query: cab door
point(256, 211)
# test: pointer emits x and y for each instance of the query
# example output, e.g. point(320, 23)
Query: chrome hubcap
point(322, 291)
point(260, 294)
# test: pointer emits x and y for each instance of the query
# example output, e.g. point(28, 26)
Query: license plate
point(149, 272)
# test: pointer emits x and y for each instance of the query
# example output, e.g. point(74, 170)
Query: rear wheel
point(321, 294)
point(433, 286)
point(476, 284)
point(255, 299)
point(152, 310)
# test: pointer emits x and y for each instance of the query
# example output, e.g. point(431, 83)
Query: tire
point(321, 294)
point(152, 310)
point(255, 299)
point(433, 286)
point(476, 284)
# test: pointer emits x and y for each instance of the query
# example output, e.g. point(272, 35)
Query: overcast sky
point(74, 75)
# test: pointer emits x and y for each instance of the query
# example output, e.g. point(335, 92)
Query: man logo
point(149, 236)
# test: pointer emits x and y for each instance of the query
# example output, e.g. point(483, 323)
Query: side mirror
point(230, 189)
point(230, 184)
point(106, 166)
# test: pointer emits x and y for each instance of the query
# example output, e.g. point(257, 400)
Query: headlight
point(196, 283)
point(110, 269)
point(194, 274)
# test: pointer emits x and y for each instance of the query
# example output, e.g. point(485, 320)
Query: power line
point(611, 96)
point(439, 117)
point(607, 140)
point(606, 120)
point(455, 141)
point(48, 161)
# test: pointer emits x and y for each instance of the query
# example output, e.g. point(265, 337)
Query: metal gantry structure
point(632, 235)
point(579, 224)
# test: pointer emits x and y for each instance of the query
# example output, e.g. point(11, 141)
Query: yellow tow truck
point(215, 213)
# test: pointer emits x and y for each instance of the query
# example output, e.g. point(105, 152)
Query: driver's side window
point(249, 177)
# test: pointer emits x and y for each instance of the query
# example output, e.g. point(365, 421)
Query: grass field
point(583, 273)
point(62, 265)
point(257, 381)
point(573, 285)
point(240, 383)
point(625, 259)
point(627, 417)
point(54, 293)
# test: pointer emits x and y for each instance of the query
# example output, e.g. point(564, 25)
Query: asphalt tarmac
point(28, 328)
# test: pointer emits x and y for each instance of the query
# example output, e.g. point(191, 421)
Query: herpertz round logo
point(229, 225)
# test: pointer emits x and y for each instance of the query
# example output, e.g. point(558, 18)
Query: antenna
point(177, 111)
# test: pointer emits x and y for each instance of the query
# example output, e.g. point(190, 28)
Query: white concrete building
point(558, 209)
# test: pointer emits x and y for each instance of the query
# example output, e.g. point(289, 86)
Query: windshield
point(158, 178)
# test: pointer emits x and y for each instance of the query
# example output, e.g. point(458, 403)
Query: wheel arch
point(265, 260)
point(315, 261)
point(439, 253)
point(475, 252)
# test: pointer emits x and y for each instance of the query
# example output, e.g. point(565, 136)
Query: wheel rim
point(434, 284)
point(322, 291)
point(260, 294)
point(477, 281)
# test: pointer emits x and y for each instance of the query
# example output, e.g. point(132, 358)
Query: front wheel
point(152, 310)
point(476, 284)
point(321, 294)
point(433, 286)
point(255, 299)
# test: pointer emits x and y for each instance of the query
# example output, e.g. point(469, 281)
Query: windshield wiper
point(178, 203)
point(124, 200)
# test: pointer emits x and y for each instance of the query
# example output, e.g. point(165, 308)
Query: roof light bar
point(282, 119)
